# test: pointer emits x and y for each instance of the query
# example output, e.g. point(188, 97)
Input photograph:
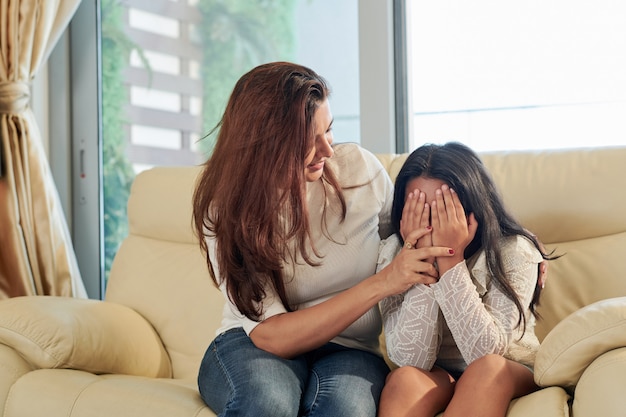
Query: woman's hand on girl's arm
point(293, 333)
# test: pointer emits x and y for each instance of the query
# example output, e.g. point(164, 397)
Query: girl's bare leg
point(487, 387)
point(414, 392)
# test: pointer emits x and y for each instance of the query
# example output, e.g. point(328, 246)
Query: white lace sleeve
point(412, 327)
point(487, 325)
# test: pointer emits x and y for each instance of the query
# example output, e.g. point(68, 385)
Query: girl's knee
point(496, 373)
point(490, 364)
point(419, 383)
point(410, 388)
point(411, 376)
point(405, 373)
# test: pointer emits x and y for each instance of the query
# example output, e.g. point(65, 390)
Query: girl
point(466, 343)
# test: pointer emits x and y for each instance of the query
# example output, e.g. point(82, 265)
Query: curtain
point(36, 253)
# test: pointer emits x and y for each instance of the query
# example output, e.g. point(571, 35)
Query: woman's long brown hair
point(251, 194)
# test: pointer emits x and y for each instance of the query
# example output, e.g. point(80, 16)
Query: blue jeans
point(238, 379)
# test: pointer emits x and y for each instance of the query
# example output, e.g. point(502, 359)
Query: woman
point(291, 226)
point(464, 345)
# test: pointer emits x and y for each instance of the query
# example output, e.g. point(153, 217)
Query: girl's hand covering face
point(451, 227)
point(416, 215)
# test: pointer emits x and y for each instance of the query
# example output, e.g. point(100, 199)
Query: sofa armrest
point(12, 367)
point(600, 391)
point(575, 342)
point(91, 335)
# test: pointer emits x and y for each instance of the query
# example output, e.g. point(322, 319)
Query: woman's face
point(314, 162)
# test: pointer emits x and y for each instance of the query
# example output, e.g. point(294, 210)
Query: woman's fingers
point(411, 267)
point(411, 240)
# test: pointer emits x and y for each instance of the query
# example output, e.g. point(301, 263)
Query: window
point(150, 80)
point(518, 75)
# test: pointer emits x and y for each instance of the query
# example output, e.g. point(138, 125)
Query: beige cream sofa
point(137, 353)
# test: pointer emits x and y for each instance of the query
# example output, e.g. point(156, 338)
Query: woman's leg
point(487, 387)
point(343, 382)
point(238, 379)
point(411, 391)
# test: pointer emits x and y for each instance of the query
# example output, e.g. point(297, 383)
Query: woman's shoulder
point(353, 163)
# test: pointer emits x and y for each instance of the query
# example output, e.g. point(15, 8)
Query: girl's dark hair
point(462, 169)
point(251, 194)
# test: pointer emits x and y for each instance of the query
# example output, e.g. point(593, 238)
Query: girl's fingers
point(406, 210)
point(405, 222)
point(425, 218)
point(437, 210)
point(456, 203)
point(453, 207)
point(449, 207)
point(413, 213)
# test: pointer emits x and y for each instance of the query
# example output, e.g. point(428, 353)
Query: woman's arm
point(293, 333)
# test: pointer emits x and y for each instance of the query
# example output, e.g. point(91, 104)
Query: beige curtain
point(36, 254)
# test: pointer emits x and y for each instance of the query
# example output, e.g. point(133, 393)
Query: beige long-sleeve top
point(349, 248)
point(465, 315)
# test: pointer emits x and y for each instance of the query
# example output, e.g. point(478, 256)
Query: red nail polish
point(451, 251)
point(429, 227)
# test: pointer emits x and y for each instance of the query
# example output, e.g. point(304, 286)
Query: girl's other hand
point(451, 226)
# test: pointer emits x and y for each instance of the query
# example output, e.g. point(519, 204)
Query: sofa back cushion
point(160, 272)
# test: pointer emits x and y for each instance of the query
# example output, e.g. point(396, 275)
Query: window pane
point(168, 67)
point(518, 75)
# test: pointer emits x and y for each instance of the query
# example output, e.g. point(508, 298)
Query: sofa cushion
point(578, 278)
point(92, 335)
point(63, 393)
point(578, 340)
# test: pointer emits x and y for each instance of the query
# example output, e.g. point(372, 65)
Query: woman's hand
point(412, 266)
point(451, 227)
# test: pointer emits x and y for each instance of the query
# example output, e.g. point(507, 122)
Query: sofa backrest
point(160, 271)
point(574, 201)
